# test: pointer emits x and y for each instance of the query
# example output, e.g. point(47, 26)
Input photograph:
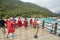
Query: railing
point(54, 27)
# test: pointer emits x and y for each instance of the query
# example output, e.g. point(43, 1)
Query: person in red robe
point(31, 22)
point(35, 23)
point(25, 23)
point(6, 22)
point(19, 22)
point(10, 27)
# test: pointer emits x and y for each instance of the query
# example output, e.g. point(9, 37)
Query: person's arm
point(4, 21)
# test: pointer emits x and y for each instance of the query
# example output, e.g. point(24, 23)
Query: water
point(53, 21)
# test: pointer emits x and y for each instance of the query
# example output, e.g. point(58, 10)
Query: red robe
point(30, 21)
point(19, 23)
point(25, 23)
point(10, 27)
point(6, 21)
point(35, 23)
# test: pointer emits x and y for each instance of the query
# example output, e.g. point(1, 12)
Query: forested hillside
point(18, 8)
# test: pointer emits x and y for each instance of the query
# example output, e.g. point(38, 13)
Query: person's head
point(37, 19)
point(9, 21)
point(11, 18)
point(25, 18)
point(19, 17)
point(1, 18)
point(31, 18)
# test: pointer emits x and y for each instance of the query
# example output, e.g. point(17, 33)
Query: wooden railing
point(53, 26)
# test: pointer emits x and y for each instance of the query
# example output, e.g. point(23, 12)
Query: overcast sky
point(53, 5)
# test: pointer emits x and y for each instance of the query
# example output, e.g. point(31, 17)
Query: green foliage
point(18, 8)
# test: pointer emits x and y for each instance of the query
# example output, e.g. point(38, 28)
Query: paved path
point(0, 35)
point(23, 34)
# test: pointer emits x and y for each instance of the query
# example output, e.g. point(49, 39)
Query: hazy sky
point(53, 5)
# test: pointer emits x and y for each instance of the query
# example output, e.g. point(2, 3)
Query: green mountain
point(24, 9)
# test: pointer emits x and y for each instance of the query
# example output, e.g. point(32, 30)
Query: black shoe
point(35, 36)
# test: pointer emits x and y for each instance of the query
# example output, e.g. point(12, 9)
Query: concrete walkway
point(28, 34)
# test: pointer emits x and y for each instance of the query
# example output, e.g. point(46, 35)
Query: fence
point(52, 27)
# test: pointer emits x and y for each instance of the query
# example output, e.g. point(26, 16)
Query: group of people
point(11, 23)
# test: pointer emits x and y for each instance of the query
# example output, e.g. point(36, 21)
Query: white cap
point(11, 18)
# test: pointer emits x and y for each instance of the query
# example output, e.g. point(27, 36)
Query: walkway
point(23, 34)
